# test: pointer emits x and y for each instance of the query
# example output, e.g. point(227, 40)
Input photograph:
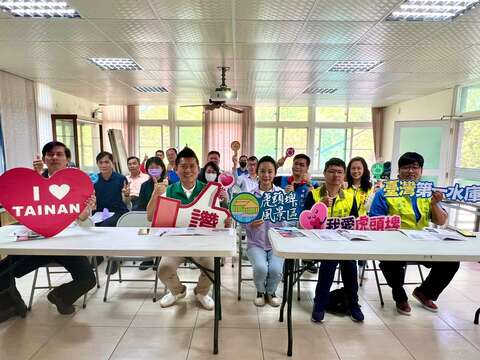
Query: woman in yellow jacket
point(359, 185)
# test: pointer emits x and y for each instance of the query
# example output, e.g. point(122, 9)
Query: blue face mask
point(155, 172)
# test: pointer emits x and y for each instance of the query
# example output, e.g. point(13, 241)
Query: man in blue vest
point(416, 214)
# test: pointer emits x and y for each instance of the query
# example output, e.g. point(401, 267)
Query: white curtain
point(114, 117)
point(221, 127)
point(17, 107)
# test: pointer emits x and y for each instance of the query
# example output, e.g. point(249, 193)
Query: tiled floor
point(131, 326)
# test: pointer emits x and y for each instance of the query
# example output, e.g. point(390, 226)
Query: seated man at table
point(416, 214)
point(186, 190)
point(135, 179)
point(339, 204)
point(56, 156)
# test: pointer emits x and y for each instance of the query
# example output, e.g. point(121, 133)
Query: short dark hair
point(158, 161)
point(160, 151)
point(175, 150)
point(302, 156)
point(202, 176)
point(185, 153)
point(213, 152)
point(243, 156)
point(365, 183)
point(252, 158)
point(102, 154)
point(268, 159)
point(410, 158)
point(50, 145)
point(335, 162)
point(131, 158)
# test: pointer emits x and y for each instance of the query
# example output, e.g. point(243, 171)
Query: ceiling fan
point(220, 96)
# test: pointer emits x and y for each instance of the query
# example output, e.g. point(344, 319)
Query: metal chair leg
point(375, 270)
point(296, 268)
point(49, 280)
point(30, 302)
point(95, 264)
point(108, 281)
point(156, 264)
point(119, 266)
point(421, 272)
point(240, 256)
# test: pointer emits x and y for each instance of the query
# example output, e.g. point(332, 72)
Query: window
point(153, 129)
point(153, 138)
point(148, 112)
point(469, 99)
point(88, 145)
point(268, 142)
point(344, 144)
point(265, 114)
point(330, 114)
point(293, 113)
point(359, 114)
point(190, 113)
point(468, 153)
point(192, 137)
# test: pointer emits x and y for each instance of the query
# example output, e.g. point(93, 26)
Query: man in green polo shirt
point(186, 190)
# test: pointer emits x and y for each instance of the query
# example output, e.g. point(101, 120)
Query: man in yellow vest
point(339, 204)
point(416, 214)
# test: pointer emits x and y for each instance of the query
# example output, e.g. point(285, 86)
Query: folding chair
point(131, 219)
point(377, 279)
point(86, 223)
point(241, 241)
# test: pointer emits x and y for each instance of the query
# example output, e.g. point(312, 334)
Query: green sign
point(377, 170)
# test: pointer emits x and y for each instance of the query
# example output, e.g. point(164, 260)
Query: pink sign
point(226, 179)
point(202, 212)
point(45, 205)
point(316, 218)
point(290, 152)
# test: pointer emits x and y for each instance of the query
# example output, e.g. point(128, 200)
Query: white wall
point(51, 101)
point(430, 107)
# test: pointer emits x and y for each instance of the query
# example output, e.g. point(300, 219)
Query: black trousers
point(78, 266)
point(440, 275)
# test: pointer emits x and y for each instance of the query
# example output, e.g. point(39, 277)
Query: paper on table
point(289, 232)
point(420, 235)
point(445, 234)
point(329, 235)
point(354, 235)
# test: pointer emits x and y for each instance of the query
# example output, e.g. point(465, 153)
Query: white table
point(386, 245)
point(125, 241)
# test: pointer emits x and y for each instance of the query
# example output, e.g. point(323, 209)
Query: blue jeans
point(326, 274)
point(267, 269)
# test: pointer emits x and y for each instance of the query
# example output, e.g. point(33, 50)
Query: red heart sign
point(45, 205)
point(316, 218)
point(226, 179)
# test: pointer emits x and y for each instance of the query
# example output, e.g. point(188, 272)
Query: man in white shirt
point(247, 182)
point(135, 179)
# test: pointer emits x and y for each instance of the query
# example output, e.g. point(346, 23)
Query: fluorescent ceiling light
point(327, 91)
point(354, 66)
point(151, 89)
point(41, 8)
point(431, 10)
point(116, 64)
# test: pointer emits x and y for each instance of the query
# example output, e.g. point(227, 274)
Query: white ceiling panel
point(375, 52)
point(34, 50)
point(273, 9)
point(35, 30)
point(318, 52)
point(333, 32)
point(267, 31)
point(93, 49)
point(400, 33)
point(192, 9)
point(200, 31)
point(204, 51)
point(113, 9)
point(133, 30)
point(457, 33)
point(352, 10)
point(424, 52)
point(263, 51)
point(149, 49)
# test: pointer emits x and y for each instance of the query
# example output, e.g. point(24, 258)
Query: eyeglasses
point(410, 167)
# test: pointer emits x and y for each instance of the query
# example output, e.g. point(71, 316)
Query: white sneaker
point(206, 301)
point(274, 301)
point(259, 300)
point(170, 299)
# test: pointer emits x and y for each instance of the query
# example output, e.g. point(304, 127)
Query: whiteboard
point(119, 150)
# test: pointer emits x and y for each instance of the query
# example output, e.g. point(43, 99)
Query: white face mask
point(210, 177)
